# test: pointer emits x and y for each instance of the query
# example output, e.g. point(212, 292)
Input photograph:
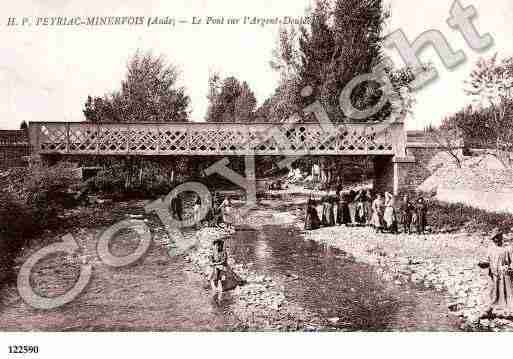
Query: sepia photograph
point(330, 167)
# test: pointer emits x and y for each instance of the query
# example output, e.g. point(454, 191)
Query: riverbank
point(295, 284)
point(277, 296)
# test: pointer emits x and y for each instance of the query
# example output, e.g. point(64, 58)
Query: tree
point(490, 124)
point(23, 125)
point(448, 137)
point(344, 40)
point(149, 93)
point(489, 128)
point(230, 100)
point(490, 80)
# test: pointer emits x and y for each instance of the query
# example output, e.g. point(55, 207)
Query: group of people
point(219, 213)
point(360, 209)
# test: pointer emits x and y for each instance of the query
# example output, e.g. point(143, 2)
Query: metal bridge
point(216, 139)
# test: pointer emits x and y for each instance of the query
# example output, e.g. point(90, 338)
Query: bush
point(145, 178)
point(443, 216)
point(29, 199)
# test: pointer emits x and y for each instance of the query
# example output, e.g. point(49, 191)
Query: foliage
point(230, 100)
point(23, 125)
point(43, 189)
point(490, 81)
point(443, 216)
point(149, 93)
point(488, 128)
point(30, 199)
point(141, 177)
point(343, 41)
point(448, 137)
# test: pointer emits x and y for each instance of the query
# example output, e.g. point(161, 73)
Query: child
point(218, 261)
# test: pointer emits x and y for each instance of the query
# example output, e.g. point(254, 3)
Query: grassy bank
point(446, 217)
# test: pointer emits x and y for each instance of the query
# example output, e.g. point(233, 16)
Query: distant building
point(14, 148)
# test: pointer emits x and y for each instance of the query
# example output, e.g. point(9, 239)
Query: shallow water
point(330, 283)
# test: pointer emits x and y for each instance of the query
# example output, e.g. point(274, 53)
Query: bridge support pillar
point(392, 174)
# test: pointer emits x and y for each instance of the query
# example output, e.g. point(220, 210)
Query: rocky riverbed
point(444, 262)
point(260, 304)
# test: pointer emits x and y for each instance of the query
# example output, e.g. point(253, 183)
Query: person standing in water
point(499, 262)
point(219, 262)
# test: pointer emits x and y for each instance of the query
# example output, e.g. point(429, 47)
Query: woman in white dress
point(377, 213)
point(389, 216)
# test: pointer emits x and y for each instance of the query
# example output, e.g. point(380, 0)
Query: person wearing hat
point(219, 262)
point(499, 262)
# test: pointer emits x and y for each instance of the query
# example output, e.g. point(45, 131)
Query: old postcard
point(241, 166)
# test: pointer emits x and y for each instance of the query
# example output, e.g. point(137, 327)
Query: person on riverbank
point(406, 214)
point(352, 206)
point(499, 262)
point(377, 213)
point(343, 217)
point(177, 207)
point(361, 213)
point(389, 215)
point(420, 215)
point(328, 217)
point(368, 207)
point(312, 221)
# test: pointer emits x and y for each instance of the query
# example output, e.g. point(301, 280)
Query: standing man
point(499, 262)
point(406, 212)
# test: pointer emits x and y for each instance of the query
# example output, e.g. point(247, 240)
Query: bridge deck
point(83, 138)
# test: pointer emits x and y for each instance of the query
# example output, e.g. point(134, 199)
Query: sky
point(47, 72)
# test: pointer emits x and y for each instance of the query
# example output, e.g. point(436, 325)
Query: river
point(331, 284)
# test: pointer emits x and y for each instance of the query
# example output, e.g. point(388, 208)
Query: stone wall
point(401, 175)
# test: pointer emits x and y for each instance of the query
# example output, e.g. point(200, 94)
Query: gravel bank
point(445, 262)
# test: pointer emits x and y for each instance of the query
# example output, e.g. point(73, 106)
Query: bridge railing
point(84, 138)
